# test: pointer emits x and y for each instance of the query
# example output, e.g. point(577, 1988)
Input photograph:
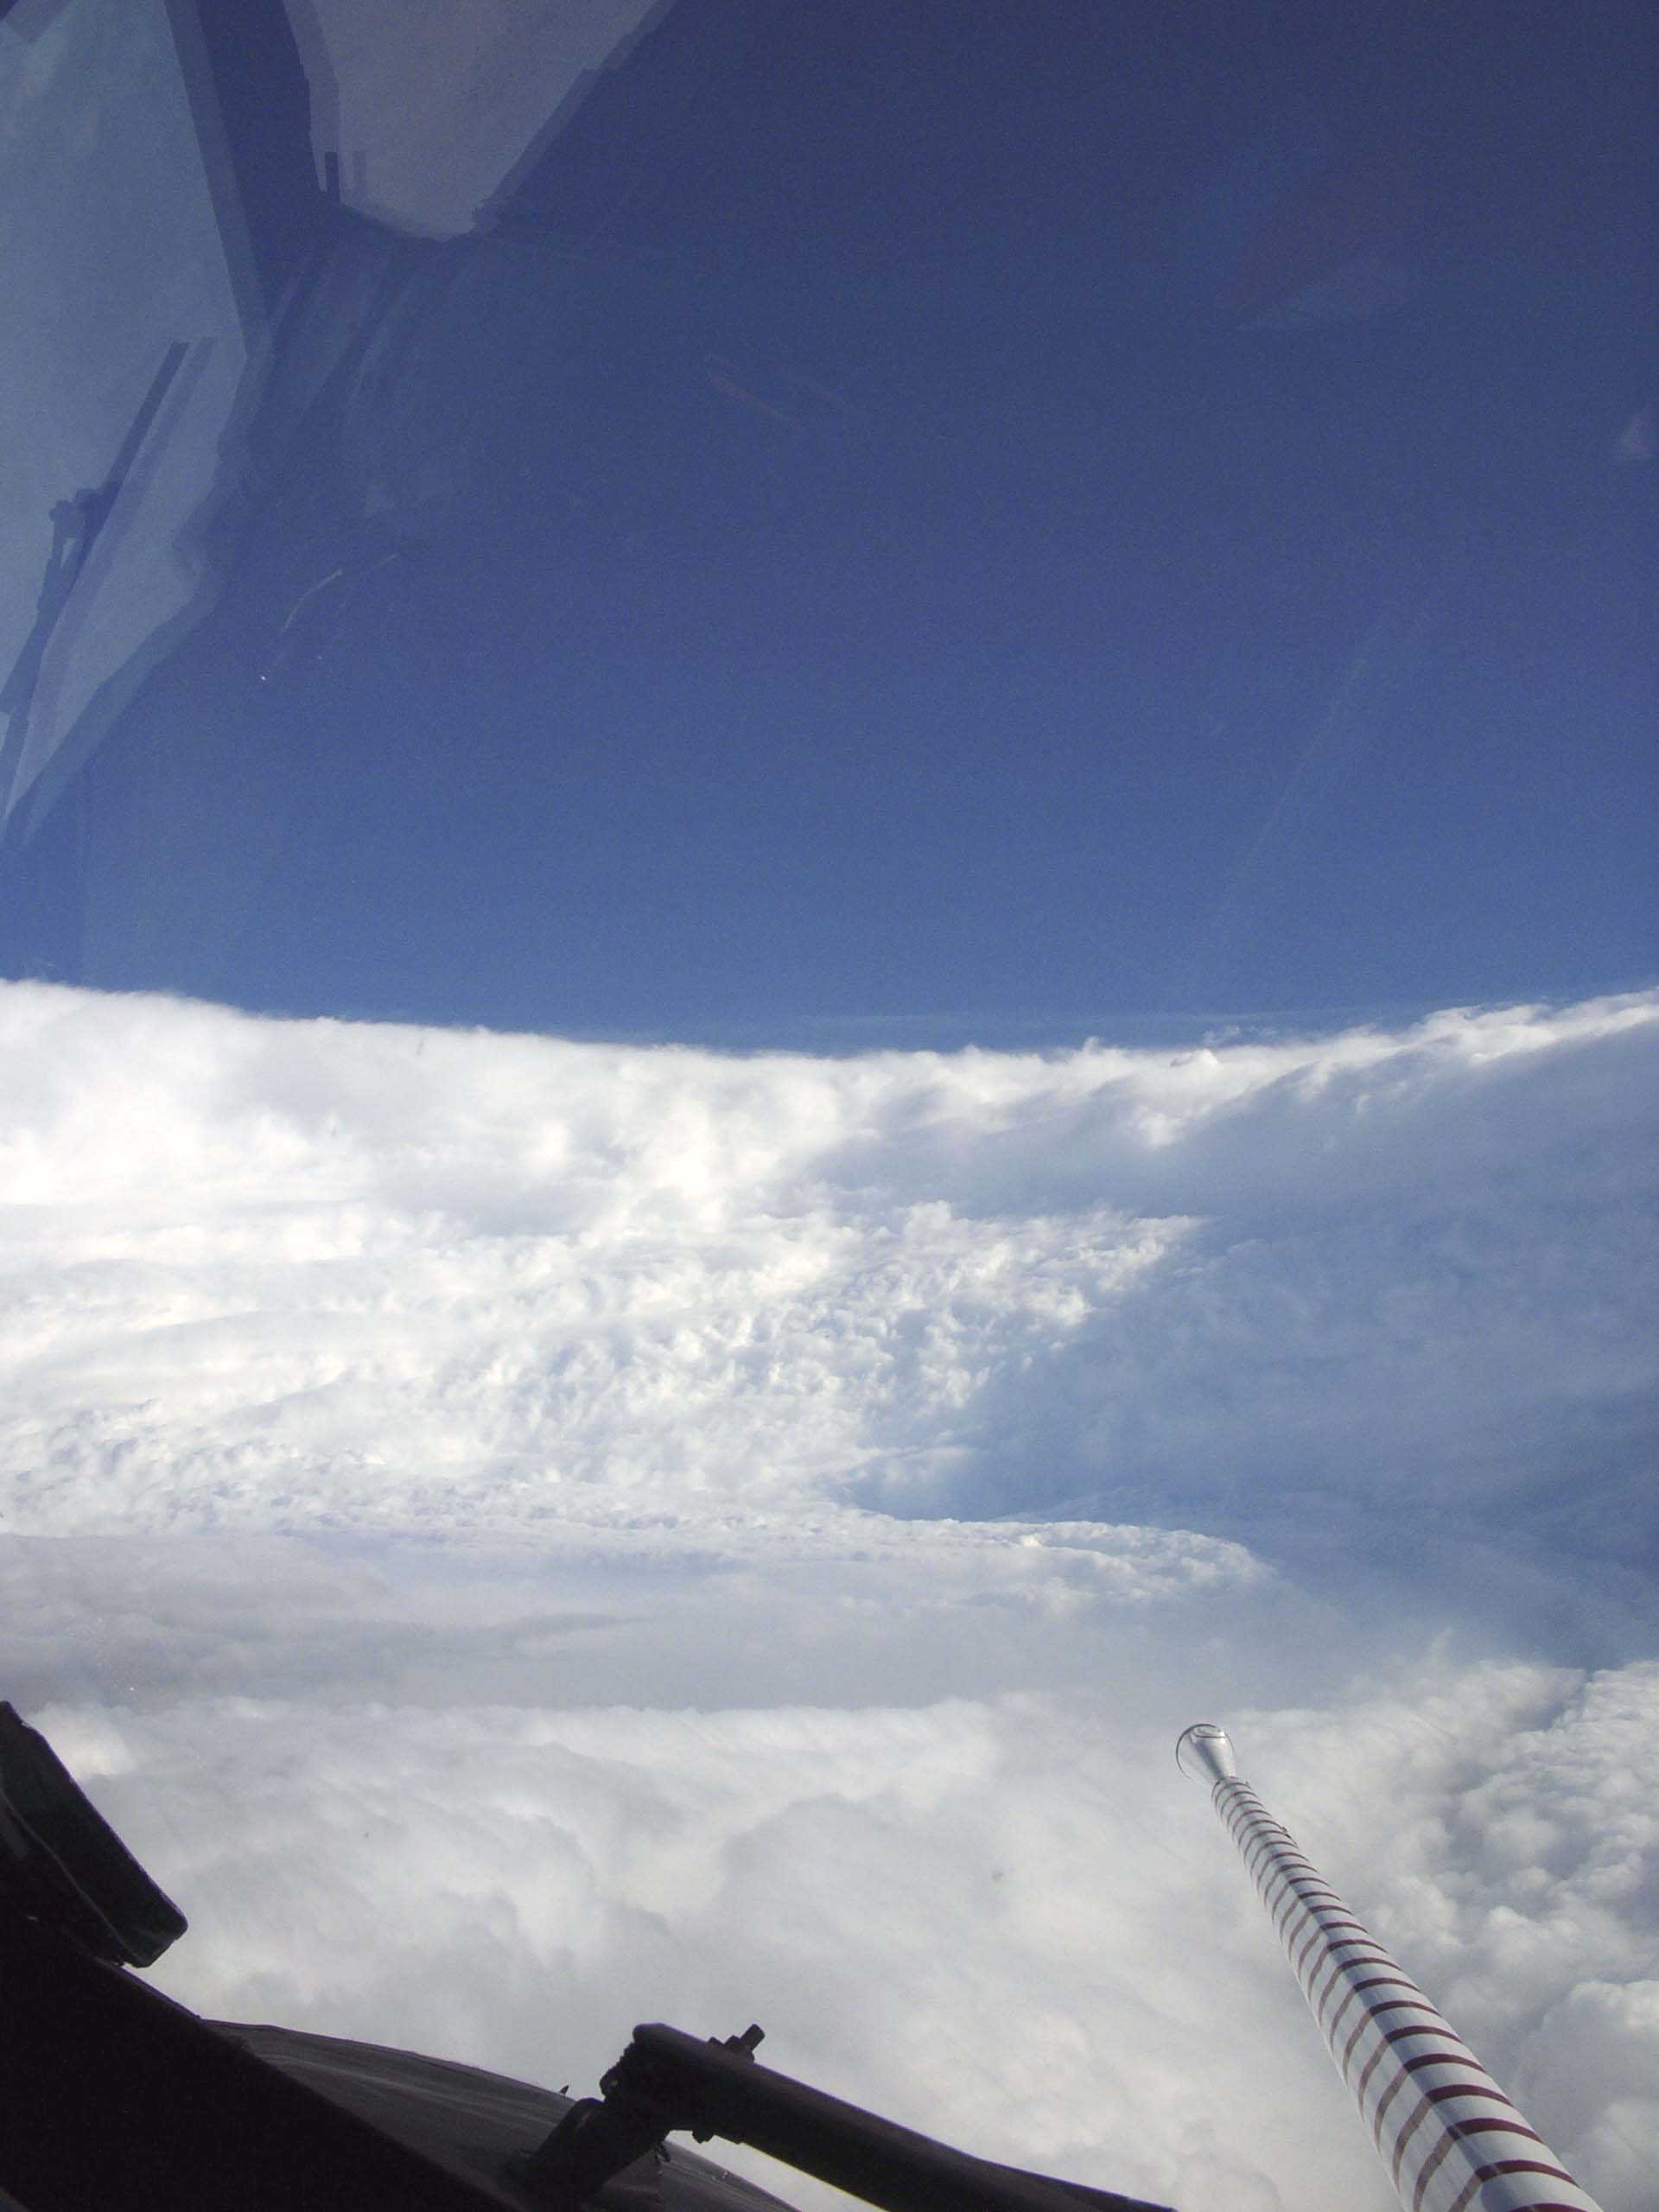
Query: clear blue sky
point(1035, 516)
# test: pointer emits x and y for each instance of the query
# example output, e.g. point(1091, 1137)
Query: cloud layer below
point(524, 1536)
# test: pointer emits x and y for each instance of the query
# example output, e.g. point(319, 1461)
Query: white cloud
point(1008, 1920)
point(312, 1274)
point(525, 1537)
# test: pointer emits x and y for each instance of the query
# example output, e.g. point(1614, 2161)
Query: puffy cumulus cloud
point(524, 1536)
point(948, 1912)
point(1594, 2062)
point(1007, 1921)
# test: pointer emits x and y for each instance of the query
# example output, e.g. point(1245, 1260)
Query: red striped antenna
point(1450, 2139)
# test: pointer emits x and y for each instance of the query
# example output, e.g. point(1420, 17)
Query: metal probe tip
point(1205, 1752)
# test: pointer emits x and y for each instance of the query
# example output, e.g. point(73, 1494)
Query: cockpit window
point(827, 972)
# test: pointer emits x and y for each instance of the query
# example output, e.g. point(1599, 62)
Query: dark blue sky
point(1045, 516)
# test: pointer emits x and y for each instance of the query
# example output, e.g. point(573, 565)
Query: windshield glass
point(829, 929)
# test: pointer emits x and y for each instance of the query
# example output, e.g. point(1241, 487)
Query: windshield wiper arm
point(666, 2080)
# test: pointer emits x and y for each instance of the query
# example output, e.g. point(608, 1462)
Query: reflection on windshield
point(651, 525)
